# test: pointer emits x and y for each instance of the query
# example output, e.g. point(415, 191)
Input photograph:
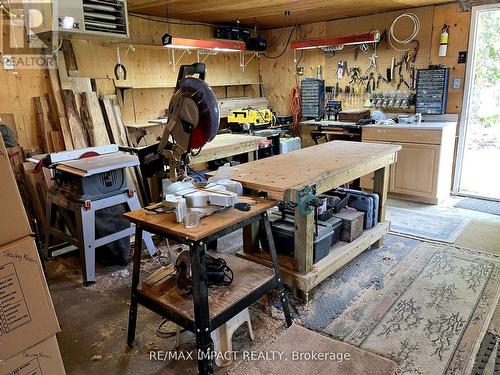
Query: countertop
point(427, 125)
point(424, 125)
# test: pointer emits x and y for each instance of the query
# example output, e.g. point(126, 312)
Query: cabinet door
point(366, 182)
point(415, 172)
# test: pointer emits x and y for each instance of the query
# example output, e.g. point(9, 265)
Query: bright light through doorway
point(480, 168)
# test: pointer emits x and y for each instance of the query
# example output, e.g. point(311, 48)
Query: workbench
point(206, 309)
point(324, 167)
point(226, 145)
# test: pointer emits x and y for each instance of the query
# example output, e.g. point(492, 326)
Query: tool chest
point(313, 97)
point(432, 91)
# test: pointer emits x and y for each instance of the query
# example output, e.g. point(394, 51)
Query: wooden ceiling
point(269, 13)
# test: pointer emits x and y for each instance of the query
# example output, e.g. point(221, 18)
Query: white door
point(478, 164)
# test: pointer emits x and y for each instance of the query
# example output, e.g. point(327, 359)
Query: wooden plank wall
point(459, 23)
point(278, 74)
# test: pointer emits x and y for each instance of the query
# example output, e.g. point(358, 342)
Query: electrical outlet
point(300, 71)
point(8, 62)
point(457, 82)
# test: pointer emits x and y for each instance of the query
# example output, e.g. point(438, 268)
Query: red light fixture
point(221, 45)
point(340, 41)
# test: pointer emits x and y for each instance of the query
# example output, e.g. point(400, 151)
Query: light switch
point(457, 82)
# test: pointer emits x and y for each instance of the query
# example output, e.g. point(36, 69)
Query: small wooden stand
point(198, 313)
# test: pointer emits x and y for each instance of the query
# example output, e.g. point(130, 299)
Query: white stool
point(223, 337)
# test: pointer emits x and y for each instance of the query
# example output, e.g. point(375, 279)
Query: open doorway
point(478, 162)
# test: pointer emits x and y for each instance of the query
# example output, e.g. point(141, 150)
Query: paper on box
point(27, 315)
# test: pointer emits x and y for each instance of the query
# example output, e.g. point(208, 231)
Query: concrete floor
point(94, 319)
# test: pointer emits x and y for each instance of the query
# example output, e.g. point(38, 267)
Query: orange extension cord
point(296, 109)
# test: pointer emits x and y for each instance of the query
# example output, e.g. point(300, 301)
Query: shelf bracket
point(207, 54)
point(243, 63)
point(171, 58)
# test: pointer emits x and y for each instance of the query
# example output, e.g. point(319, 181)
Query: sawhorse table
point(195, 313)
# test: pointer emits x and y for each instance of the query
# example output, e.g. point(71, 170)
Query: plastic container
point(336, 225)
point(284, 232)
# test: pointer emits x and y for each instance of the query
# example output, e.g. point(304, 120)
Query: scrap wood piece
point(116, 130)
point(80, 84)
point(78, 133)
point(103, 86)
point(160, 281)
point(94, 120)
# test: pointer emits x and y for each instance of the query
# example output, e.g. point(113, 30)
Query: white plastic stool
point(223, 337)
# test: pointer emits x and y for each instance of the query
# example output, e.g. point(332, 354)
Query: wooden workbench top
point(166, 223)
point(225, 145)
point(326, 165)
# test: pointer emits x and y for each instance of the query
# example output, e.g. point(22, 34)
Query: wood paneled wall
point(279, 75)
point(150, 67)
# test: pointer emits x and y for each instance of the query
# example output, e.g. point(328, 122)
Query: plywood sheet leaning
point(94, 120)
point(78, 133)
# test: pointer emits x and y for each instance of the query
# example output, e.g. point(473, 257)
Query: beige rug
point(433, 315)
point(481, 234)
point(301, 341)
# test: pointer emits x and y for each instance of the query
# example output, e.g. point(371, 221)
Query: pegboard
point(385, 53)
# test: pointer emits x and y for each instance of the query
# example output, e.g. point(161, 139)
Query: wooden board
point(61, 118)
point(225, 145)
point(44, 122)
point(78, 133)
point(340, 254)
point(94, 120)
point(117, 130)
point(57, 140)
point(248, 276)
point(166, 223)
point(332, 163)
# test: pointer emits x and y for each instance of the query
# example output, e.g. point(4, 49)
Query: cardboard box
point(27, 315)
point(42, 358)
point(14, 223)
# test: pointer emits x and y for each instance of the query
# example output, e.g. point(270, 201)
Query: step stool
point(84, 214)
point(223, 336)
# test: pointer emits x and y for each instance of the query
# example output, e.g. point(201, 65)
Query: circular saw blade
point(208, 108)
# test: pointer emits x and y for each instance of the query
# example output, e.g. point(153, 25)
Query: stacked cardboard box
point(28, 322)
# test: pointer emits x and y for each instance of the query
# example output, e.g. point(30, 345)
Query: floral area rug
point(432, 317)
